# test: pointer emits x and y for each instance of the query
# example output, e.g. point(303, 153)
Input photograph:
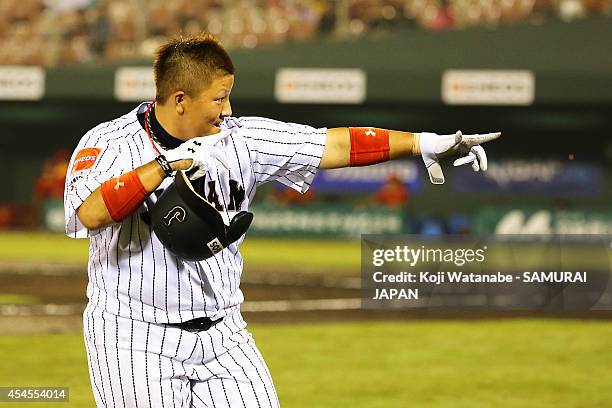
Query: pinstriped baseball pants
point(139, 364)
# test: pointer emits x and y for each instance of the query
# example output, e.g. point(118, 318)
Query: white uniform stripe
point(167, 283)
point(87, 329)
point(216, 359)
point(178, 288)
point(258, 139)
point(217, 301)
point(191, 308)
point(118, 359)
point(95, 132)
point(234, 268)
point(140, 301)
point(132, 362)
point(146, 355)
point(229, 353)
point(129, 284)
point(219, 272)
point(96, 366)
point(267, 377)
point(255, 366)
point(116, 129)
point(108, 370)
point(198, 402)
point(117, 275)
point(233, 358)
point(215, 382)
point(153, 280)
point(175, 399)
point(203, 291)
point(161, 374)
point(136, 147)
point(238, 161)
point(209, 393)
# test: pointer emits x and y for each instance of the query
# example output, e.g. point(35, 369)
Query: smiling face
point(204, 112)
point(193, 80)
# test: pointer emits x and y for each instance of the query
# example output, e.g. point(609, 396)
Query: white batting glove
point(434, 147)
point(203, 153)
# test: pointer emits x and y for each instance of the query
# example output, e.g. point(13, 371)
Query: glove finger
point(232, 122)
point(458, 138)
point(475, 165)
point(219, 155)
point(482, 157)
point(469, 158)
point(473, 140)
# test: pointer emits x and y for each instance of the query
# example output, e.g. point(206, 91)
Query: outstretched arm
point(346, 147)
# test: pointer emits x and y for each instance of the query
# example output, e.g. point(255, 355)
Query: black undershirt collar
point(159, 134)
point(165, 139)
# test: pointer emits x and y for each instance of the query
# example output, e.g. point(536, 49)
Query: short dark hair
point(189, 64)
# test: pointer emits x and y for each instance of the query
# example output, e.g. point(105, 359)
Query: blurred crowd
point(63, 32)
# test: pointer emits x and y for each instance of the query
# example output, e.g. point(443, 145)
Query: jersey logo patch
point(176, 213)
point(85, 159)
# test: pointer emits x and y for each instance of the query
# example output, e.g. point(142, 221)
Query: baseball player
point(162, 331)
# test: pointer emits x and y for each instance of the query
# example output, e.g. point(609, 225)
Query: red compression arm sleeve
point(368, 146)
point(122, 195)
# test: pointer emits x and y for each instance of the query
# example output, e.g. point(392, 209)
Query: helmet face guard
point(189, 226)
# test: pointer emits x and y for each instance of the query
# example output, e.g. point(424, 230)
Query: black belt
point(196, 325)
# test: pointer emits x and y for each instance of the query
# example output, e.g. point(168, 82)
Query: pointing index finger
point(473, 140)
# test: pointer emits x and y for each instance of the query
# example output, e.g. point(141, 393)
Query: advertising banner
point(488, 87)
point(19, 83)
point(541, 177)
point(134, 84)
point(370, 178)
point(324, 221)
point(508, 220)
point(320, 85)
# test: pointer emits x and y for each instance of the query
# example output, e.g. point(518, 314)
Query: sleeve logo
point(85, 159)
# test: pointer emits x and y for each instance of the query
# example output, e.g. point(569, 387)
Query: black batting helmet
point(189, 226)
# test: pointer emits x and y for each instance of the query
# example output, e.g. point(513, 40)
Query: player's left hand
point(467, 147)
point(201, 153)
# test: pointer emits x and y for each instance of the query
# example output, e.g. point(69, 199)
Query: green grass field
point(302, 255)
point(322, 256)
point(518, 363)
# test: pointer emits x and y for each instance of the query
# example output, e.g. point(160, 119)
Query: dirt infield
point(51, 299)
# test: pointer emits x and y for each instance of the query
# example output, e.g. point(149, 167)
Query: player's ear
point(179, 102)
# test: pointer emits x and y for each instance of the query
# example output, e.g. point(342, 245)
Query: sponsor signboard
point(320, 85)
point(325, 221)
point(542, 177)
point(369, 178)
point(134, 84)
point(488, 87)
point(543, 221)
point(22, 83)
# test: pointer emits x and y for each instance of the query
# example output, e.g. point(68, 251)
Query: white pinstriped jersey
point(130, 273)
